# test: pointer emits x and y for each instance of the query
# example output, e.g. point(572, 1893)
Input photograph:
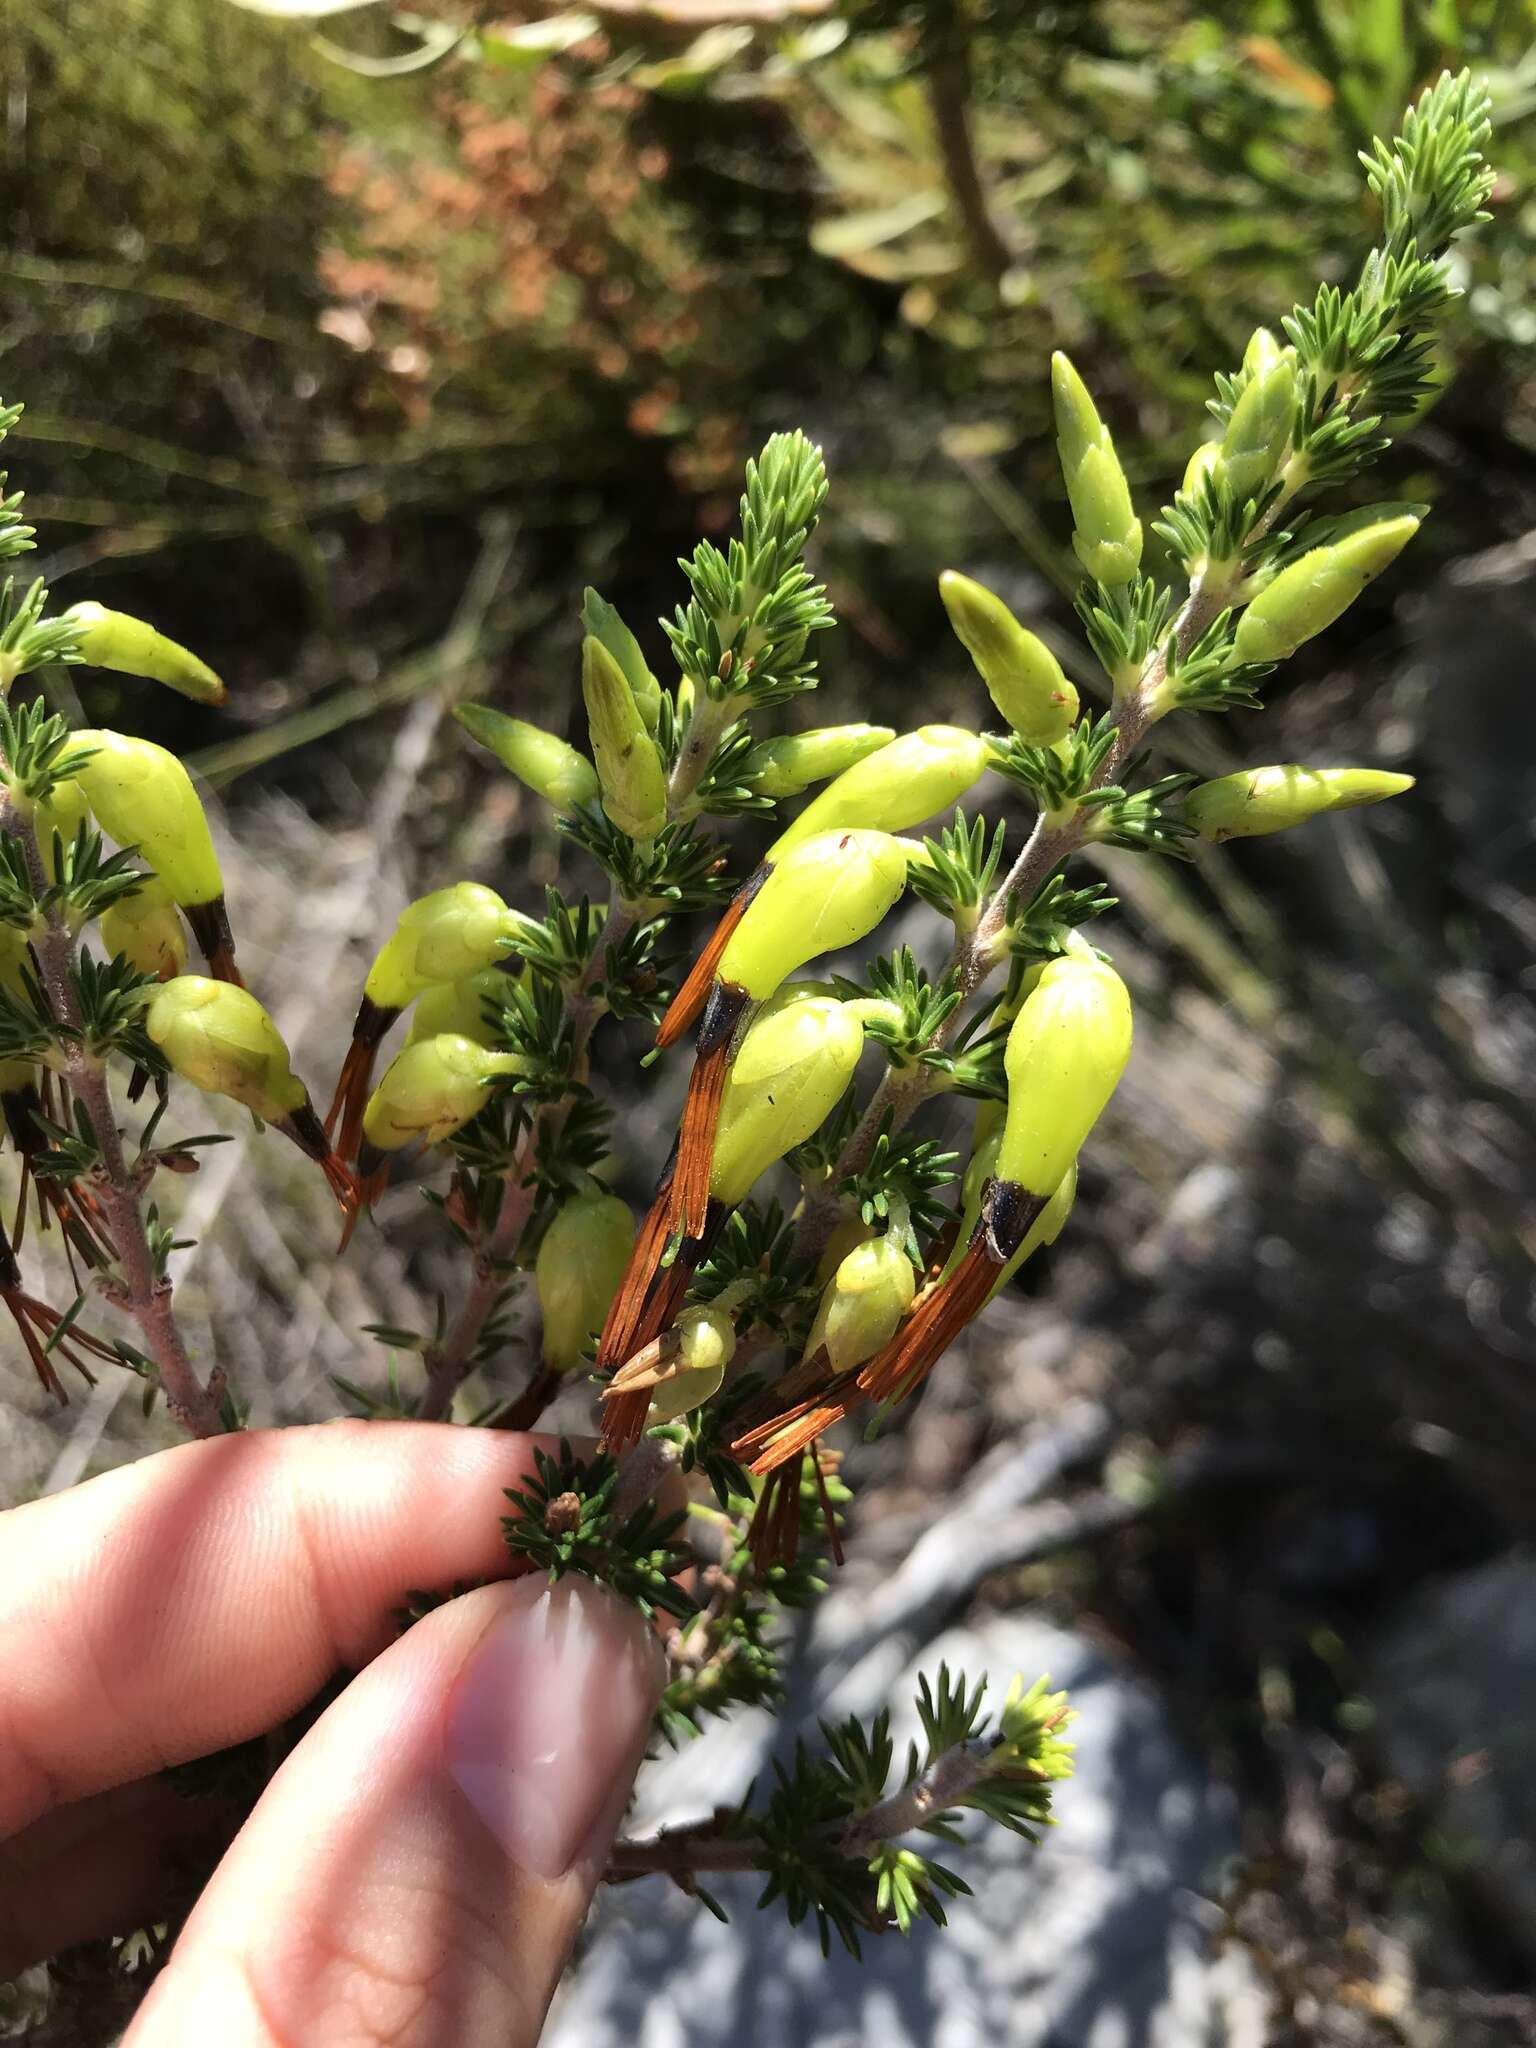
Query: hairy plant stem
point(143, 1294)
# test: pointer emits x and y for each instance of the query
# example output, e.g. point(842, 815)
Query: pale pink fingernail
point(553, 1705)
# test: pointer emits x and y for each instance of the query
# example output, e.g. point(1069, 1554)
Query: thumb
point(418, 1869)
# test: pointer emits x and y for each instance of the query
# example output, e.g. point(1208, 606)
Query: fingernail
point(551, 1710)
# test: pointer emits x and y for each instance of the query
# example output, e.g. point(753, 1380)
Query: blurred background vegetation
point(353, 347)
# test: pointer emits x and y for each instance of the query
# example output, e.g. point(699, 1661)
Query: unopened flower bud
point(1200, 465)
point(1066, 1051)
point(1263, 352)
point(706, 1339)
point(898, 785)
point(634, 783)
point(445, 936)
point(1259, 800)
point(1259, 429)
point(1023, 677)
point(785, 1080)
point(603, 622)
point(461, 1007)
point(432, 1089)
point(863, 1303)
point(784, 767)
point(1107, 534)
point(133, 648)
point(848, 1234)
point(146, 929)
point(220, 1039)
point(548, 765)
point(142, 796)
point(1309, 595)
point(826, 893)
point(577, 1273)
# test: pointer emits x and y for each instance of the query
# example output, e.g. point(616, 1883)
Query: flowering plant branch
point(808, 1250)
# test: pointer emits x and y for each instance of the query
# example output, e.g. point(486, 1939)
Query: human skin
point(418, 1868)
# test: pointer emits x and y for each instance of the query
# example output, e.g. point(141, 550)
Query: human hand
point(418, 1868)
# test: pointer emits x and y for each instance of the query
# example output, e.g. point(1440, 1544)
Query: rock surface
point(1101, 1939)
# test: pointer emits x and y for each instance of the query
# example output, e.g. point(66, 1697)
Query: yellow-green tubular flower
point(220, 1039)
point(827, 893)
point(634, 783)
point(580, 1264)
point(784, 1082)
point(1312, 592)
point(133, 648)
point(846, 1237)
point(784, 767)
point(1107, 535)
point(1022, 676)
point(460, 1006)
point(446, 936)
point(142, 796)
point(1259, 800)
point(548, 765)
point(604, 624)
point(1259, 429)
point(706, 1340)
point(899, 785)
point(863, 1303)
point(1066, 1051)
point(146, 929)
point(432, 1089)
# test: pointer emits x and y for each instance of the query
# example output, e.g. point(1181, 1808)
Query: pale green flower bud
point(146, 929)
point(863, 1304)
point(1023, 677)
point(445, 936)
point(787, 1077)
point(825, 894)
point(706, 1339)
point(634, 783)
point(460, 1006)
point(1259, 429)
point(432, 1089)
point(547, 764)
point(846, 1236)
point(116, 641)
point(1263, 352)
point(577, 1273)
point(604, 624)
point(220, 1039)
point(1199, 466)
point(1066, 1051)
point(785, 767)
point(1312, 592)
point(900, 784)
point(142, 796)
point(1258, 800)
point(1107, 536)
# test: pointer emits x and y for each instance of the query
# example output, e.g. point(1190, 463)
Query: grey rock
point(1102, 1938)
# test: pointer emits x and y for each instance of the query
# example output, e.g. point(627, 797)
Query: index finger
point(193, 1600)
